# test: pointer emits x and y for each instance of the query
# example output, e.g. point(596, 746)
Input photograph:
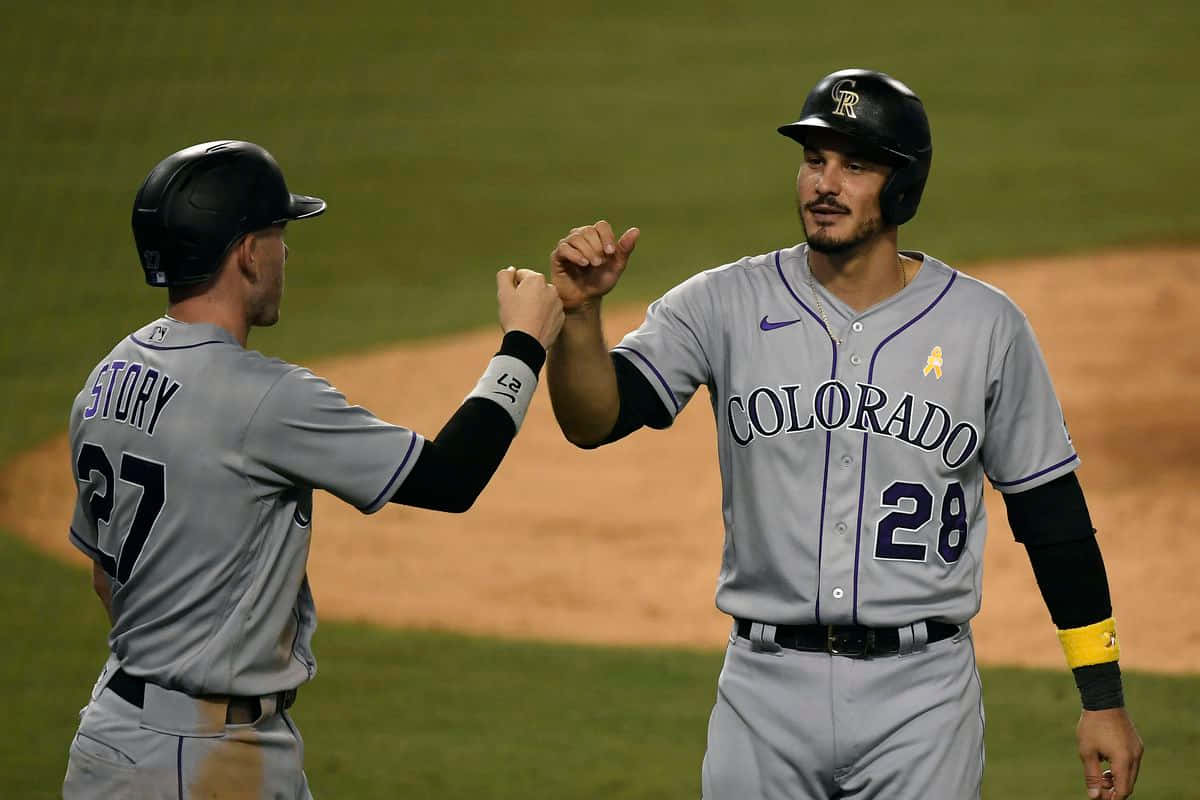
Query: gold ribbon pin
point(934, 363)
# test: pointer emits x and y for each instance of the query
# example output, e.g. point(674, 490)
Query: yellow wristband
point(1091, 644)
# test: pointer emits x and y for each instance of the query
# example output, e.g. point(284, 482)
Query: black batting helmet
point(886, 117)
point(196, 203)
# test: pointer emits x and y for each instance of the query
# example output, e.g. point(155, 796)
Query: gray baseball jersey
point(196, 460)
point(852, 475)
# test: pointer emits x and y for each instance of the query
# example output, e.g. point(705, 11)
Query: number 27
point(952, 535)
point(150, 476)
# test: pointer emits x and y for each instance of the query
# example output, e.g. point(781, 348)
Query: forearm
point(455, 467)
point(1074, 587)
point(1053, 523)
point(583, 383)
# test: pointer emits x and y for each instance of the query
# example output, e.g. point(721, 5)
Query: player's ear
point(244, 256)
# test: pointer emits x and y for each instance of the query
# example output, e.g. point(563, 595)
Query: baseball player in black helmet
point(195, 204)
point(863, 396)
point(196, 460)
point(883, 116)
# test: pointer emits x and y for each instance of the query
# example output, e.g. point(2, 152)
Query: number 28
point(914, 508)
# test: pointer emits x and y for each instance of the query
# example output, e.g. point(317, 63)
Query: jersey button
point(847, 461)
point(855, 360)
point(838, 594)
point(840, 527)
point(857, 327)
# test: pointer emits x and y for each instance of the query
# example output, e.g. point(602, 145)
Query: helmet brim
point(799, 130)
point(303, 206)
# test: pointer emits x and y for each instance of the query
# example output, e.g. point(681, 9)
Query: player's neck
point(864, 276)
point(206, 309)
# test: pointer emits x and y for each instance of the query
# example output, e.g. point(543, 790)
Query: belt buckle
point(845, 643)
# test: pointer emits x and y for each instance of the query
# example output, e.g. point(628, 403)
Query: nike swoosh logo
point(763, 324)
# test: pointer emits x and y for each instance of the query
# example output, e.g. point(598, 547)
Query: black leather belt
point(241, 709)
point(854, 641)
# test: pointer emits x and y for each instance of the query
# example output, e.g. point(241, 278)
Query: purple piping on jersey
point(1038, 474)
point(388, 488)
point(862, 482)
point(179, 767)
point(653, 369)
point(828, 436)
point(149, 346)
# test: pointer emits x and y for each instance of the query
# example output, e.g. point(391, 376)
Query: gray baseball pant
point(791, 725)
point(178, 747)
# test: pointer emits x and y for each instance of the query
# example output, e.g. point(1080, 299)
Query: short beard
point(818, 241)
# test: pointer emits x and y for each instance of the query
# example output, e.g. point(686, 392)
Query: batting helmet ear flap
point(902, 193)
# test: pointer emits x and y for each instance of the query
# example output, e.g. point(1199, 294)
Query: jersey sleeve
point(1026, 443)
point(305, 433)
point(670, 348)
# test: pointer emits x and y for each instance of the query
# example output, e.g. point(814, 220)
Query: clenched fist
point(529, 304)
point(588, 261)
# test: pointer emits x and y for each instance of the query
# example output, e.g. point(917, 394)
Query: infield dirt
point(622, 545)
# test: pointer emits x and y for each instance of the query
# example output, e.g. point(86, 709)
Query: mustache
point(828, 202)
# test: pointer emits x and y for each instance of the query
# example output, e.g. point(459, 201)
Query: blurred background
point(450, 139)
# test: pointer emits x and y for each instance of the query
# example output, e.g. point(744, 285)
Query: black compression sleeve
point(640, 404)
point(1073, 582)
point(1053, 512)
point(1074, 586)
point(1053, 523)
point(454, 468)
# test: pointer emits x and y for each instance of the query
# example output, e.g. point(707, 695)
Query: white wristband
point(509, 383)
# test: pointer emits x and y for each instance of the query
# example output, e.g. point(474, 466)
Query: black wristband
point(520, 344)
point(1100, 686)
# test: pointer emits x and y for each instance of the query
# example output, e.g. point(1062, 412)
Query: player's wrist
point(524, 346)
point(1100, 686)
point(511, 377)
point(584, 309)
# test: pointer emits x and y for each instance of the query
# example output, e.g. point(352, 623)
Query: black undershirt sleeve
point(640, 404)
point(454, 467)
point(1053, 523)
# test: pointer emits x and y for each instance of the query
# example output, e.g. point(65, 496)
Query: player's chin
point(822, 242)
point(266, 317)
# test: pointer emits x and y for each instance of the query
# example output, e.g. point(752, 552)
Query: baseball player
point(861, 395)
point(196, 461)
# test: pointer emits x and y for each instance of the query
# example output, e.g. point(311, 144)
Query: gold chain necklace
point(808, 274)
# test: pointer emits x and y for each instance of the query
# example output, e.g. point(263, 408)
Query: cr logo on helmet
point(846, 100)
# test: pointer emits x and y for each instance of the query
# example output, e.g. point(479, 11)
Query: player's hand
point(1109, 736)
point(588, 261)
point(528, 303)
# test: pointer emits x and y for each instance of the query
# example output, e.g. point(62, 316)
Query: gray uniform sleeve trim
point(410, 457)
point(1038, 474)
point(666, 387)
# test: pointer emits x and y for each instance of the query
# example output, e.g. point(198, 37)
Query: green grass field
point(451, 140)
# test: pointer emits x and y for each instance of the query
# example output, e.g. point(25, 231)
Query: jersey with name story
point(852, 474)
point(196, 461)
